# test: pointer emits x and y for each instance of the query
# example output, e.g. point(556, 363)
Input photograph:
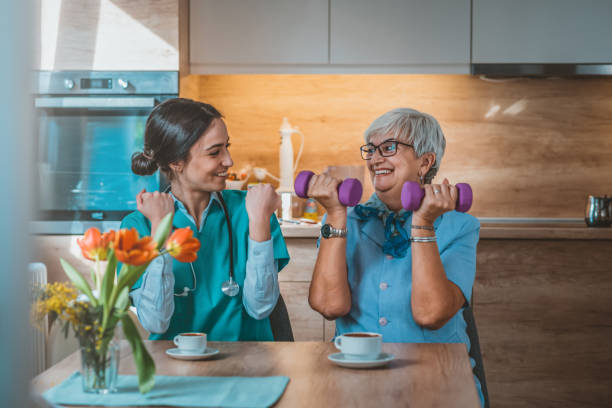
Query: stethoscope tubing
point(187, 290)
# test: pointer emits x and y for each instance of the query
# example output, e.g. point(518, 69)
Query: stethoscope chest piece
point(230, 287)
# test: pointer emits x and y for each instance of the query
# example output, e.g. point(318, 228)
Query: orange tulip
point(94, 245)
point(131, 250)
point(182, 246)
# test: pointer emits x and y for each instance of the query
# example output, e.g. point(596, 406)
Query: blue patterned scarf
point(397, 240)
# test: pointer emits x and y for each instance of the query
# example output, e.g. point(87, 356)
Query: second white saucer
point(341, 360)
point(185, 355)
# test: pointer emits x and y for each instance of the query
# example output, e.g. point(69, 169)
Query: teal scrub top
point(207, 309)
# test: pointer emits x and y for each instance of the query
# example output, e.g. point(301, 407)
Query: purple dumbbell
point(349, 191)
point(412, 195)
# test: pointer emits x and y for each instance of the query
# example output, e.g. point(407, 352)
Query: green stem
point(98, 277)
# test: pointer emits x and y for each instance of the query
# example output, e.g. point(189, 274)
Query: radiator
point(38, 276)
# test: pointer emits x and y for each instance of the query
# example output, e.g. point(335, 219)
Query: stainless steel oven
point(89, 124)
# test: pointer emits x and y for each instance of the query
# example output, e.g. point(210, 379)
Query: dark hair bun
point(142, 165)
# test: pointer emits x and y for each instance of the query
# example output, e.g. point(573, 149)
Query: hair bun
point(143, 165)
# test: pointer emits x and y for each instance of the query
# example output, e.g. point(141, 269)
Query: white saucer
point(341, 360)
point(188, 355)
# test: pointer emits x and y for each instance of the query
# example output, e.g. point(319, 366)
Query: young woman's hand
point(261, 202)
point(155, 206)
point(439, 198)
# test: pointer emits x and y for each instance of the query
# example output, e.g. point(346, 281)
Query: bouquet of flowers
point(95, 313)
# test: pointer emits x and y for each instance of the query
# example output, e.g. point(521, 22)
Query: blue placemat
point(177, 391)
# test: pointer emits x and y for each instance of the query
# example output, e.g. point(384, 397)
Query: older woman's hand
point(324, 189)
point(439, 198)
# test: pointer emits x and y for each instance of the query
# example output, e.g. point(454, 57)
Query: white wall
point(15, 165)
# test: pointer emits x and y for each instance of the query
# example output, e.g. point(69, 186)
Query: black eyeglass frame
point(377, 147)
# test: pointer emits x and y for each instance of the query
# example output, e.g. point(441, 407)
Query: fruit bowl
point(234, 184)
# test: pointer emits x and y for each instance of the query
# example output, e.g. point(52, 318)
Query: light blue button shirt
point(381, 285)
point(154, 299)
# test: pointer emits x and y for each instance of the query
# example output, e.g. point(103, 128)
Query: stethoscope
point(229, 287)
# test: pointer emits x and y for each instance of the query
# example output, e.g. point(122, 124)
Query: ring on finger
point(436, 191)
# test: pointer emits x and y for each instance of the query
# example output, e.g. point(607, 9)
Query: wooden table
point(422, 375)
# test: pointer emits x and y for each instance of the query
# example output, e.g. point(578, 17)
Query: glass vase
point(99, 367)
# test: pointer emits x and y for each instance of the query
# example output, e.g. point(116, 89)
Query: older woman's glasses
point(386, 149)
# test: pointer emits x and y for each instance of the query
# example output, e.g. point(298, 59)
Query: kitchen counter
point(488, 229)
point(494, 230)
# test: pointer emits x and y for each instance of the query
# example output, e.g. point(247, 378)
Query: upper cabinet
point(543, 31)
point(434, 32)
point(329, 36)
point(108, 35)
point(258, 32)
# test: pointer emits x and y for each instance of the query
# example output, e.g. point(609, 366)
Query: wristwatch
point(327, 231)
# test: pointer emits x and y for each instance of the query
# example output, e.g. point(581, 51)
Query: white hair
point(411, 126)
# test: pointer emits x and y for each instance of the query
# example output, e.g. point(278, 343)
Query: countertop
point(490, 229)
point(494, 230)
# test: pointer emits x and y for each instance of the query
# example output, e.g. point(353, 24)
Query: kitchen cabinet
point(112, 35)
point(258, 32)
point(385, 32)
point(544, 31)
point(329, 36)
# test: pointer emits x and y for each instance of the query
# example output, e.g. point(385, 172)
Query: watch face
point(326, 230)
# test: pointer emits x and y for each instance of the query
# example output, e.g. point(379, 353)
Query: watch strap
point(328, 231)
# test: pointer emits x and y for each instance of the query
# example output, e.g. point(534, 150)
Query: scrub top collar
point(180, 207)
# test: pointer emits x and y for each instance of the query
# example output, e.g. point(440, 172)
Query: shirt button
point(383, 285)
point(389, 256)
point(382, 321)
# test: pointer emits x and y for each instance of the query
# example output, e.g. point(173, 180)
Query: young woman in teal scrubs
point(407, 275)
point(188, 142)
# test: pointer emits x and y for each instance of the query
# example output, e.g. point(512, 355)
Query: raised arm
point(261, 288)
point(435, 299)
point(329, 292)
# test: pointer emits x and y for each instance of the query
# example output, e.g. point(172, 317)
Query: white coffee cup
point(359, 345)
point(191, 342)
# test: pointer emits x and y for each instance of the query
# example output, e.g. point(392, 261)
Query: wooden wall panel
point(50, 248)
point(303, 252)
point(330, 330)
point(529, 147)
point(307, 325)
point(544, 314)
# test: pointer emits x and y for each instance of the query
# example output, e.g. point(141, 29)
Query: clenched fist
point(439, 198)
point(155, 206)
point(261, 202)
point(324, 188)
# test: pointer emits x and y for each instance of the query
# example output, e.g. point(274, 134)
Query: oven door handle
point(88, 102)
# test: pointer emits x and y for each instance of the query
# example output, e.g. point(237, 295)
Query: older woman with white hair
point(407, 275)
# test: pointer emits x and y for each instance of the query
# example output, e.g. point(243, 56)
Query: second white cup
point(360, 345)
point(191, 342)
